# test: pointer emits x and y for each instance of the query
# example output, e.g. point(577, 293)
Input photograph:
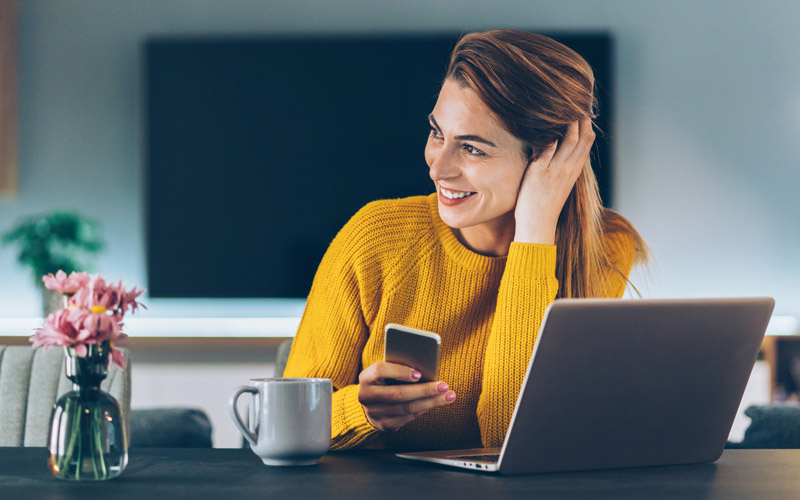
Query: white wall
point(706, 137)
point(708, 120)
point(199, 377)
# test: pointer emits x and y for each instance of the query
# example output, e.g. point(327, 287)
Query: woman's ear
point(530, 154)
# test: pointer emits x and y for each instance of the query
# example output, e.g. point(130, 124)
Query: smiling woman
point(539, 98)
point(515, 222)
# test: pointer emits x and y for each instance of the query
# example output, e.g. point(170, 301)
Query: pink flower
point(117, 358)
point(95, 293)
point(97, 327)
point(66, 284)
point(128, 300)
point(62, 328)
point(93, 316)
point(109, 296)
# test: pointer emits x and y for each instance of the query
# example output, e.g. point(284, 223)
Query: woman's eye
point(435, 133)
point(473, 150)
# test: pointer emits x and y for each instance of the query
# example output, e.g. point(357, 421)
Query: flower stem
point(74, 433)
point(76, 438)
point(99, 458)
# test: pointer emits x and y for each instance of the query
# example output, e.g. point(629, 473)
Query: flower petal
point(117, 358)
point(81, 350)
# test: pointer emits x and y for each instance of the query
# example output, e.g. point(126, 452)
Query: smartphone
point(415, 348)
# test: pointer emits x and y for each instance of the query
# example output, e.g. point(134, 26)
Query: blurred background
point(706, 120)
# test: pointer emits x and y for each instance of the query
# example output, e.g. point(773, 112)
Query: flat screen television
point(259, 149)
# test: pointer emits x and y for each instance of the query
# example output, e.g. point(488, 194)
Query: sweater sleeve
point(528, 286)
point(332, 334)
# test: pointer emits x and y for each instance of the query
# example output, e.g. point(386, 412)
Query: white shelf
point(273, 327)
point(195, 318)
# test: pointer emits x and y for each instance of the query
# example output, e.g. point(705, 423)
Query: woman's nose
point(442, 164)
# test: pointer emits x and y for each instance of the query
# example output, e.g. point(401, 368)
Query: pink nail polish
point(449, 397)
point(442, 387)
point(416, 375)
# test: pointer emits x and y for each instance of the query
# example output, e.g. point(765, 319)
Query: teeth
point(452, 195)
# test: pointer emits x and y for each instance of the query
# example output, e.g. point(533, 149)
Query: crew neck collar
point(457, 250)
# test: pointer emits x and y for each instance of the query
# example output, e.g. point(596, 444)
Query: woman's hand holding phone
point(547, 183)
point(389, 407)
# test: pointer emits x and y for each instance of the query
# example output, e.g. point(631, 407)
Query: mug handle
point(234, 412)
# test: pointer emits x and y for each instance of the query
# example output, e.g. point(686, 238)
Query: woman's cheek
point(511, 187)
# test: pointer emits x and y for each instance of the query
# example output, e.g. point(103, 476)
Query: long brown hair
point(536, 87)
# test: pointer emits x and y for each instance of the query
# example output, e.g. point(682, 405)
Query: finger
point(413, 408)
point(567, 143)
point(584, 146)
point(380, 372)
point(399, 394)
point(545, 156)
point(420, 406)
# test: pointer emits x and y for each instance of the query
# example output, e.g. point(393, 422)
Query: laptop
point(627, 383)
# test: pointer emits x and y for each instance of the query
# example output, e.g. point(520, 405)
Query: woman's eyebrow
point(475, 138)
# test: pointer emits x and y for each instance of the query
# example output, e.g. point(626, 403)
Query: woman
point(515, 222)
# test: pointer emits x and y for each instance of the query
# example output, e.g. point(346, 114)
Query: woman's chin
point(459, 214)
point(454, 221)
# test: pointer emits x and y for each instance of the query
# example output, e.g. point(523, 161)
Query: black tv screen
point(260, 149)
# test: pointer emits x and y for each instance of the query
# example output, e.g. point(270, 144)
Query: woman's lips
point(451, 202)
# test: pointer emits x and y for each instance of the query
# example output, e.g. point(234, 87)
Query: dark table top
point(235, 474)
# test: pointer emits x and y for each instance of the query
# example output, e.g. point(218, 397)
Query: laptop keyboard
point(491, 457)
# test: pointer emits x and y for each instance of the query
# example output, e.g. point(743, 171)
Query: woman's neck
point(492, 238)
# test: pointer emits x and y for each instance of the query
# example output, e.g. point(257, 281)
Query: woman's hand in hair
point(547, 182)
point(389, 407)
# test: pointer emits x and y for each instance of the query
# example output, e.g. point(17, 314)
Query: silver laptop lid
point(627, 383)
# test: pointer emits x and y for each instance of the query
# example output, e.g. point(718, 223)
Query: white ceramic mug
point(292, 419)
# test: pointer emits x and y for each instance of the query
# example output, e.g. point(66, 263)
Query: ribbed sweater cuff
point(350, 425)
point(531, 260)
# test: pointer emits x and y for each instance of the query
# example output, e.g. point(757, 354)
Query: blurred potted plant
point(57, 241)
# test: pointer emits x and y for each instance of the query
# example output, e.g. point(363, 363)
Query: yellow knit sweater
point(395, 261)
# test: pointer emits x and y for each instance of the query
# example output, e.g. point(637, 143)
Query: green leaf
point(59, 240)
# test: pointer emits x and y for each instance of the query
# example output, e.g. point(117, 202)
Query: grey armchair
point(31, 381)
point(282, 357)
point(771, 427)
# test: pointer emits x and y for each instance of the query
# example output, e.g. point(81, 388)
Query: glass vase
point(87, 440)
point(52, 301)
